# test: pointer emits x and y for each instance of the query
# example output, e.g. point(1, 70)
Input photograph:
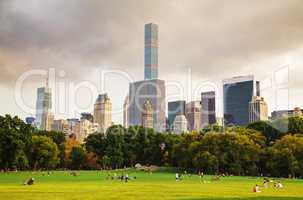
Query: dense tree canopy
point(269, 148)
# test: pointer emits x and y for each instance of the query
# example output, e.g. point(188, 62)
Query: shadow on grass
point(246, 198)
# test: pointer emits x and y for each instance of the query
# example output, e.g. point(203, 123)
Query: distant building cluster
point(145, 104)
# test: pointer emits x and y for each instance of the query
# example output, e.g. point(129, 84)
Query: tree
point(206, 161)
point(114, 144)
point(15, 138)
point(70, 144)
point(96, 144)
point(267, 130)
point(77, 158)
point(286, 157)
point(59, 139)
point(43, 153)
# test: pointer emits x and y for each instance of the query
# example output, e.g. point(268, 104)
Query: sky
point(201, 42)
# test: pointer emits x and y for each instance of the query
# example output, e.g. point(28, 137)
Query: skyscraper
point(175, 108)
point(103, 112)
point(193, 115)
point(139, 93)
point(237, 93)
point(151, 88)
point(43, 106)
point(208, 108)
point(147, 115)
point(151, 51)
point(258, 110)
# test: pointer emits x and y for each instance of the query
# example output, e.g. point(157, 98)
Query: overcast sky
point(209, 39)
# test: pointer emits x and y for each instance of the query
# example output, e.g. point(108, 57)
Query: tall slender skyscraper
point(43, 106)
point(151, 51)
point(151, 89)
point(237, 93)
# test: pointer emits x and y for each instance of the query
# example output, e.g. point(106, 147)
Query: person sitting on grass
point(126, 178)
point(177, 177)
point(256, 189)
point(279, 185)
point(29, 181)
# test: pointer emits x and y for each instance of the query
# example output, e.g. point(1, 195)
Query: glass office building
point(151, 52)
point(237, 93)
point(152, 91)
point(175, 108)
point(43, 106)
point(208, 108)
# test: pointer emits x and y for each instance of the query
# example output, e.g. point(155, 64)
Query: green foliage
point(59, 139)
point(269, 148)
point(15, 137)
point(43, 153)
point(285, 158)
point(77, 158)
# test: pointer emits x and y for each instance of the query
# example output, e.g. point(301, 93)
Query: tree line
point(262, 148)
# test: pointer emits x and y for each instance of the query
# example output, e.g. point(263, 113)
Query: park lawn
point(92, 185)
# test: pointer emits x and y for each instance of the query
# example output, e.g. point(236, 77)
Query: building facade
point(193, 115)
point(237, 93)
point(175, 108)
point(139, 93)
point(87, 116)
point(151, 52)
point(49, 122)
point(103, 112)
point(258, 109)
point(180, 124)
point(278, 114)
point(86, 128)
point(43, 106)
point(147, 115)
point(208, 108)
point(61, 125)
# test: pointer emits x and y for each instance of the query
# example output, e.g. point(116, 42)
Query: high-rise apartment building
point(208, 108)
point(139, 93)
point(61, 125)
point(43, 106)
point(193, 115)
point(258, 109)
point(86, 128)
point(49, 121)
point(151, 51)
point(74, 127)
point(175, 108)
point(180, 124)
point(237, 93)
point(103, 112)
point(151, 89)
point(147, 115)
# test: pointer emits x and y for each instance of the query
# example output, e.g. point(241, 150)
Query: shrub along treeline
point(268, 148)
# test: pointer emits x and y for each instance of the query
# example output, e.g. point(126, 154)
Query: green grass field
point(91, 185)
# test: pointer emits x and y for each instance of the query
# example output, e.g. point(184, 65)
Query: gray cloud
point(205, 35)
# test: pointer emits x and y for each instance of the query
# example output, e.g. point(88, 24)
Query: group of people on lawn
point(266, 184)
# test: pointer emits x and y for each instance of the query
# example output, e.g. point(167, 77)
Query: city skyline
point(261, 52)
